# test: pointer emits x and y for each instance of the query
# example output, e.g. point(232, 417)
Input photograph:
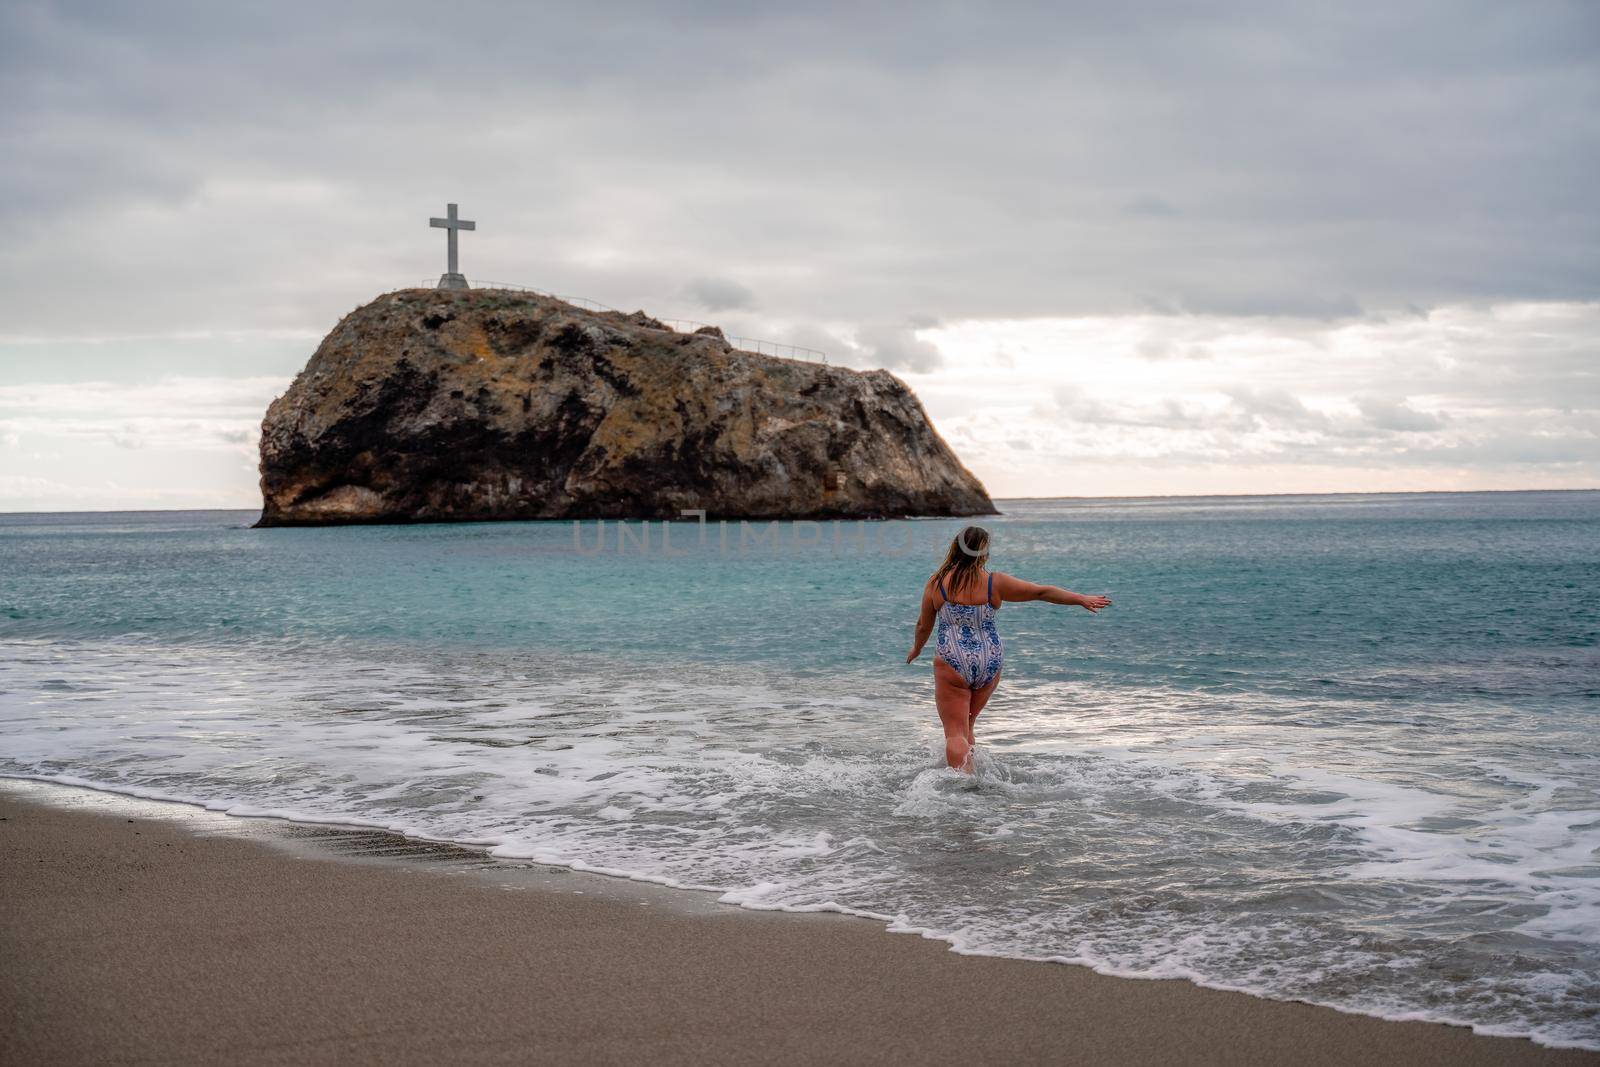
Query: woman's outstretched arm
point(1016, 591)
point(924, 623)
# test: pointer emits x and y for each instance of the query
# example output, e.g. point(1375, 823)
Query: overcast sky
point(1117, 249)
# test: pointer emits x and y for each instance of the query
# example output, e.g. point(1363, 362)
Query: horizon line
point(1019, 499)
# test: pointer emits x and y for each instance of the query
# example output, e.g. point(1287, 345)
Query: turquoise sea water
point(1336, 748)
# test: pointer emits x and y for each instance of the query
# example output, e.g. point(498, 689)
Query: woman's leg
point(954, 701)
point(979, 699)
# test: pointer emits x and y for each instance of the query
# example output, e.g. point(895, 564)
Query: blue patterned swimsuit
point(968, 640)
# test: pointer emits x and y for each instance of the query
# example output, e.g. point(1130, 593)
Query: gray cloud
point(1274, 407)
point(182, 160)
point(1164, 414)
point(1397, 415)
point(898, 348)
point(719, 294)
point(1157, 348)
point(1149, 205)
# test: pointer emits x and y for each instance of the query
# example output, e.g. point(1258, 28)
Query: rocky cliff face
point(428, 406)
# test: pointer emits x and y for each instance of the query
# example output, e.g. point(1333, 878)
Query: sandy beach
point(142, 932)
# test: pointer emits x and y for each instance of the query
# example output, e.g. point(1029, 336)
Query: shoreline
point(152, 929)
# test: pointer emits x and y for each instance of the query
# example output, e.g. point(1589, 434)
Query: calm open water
point(1336, 748)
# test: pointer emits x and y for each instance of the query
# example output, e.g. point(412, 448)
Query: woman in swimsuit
point(964, 595)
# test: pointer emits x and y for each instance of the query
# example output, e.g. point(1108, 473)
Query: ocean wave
point(1149, 833)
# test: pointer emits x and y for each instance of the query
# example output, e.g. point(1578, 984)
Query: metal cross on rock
point(453, 278)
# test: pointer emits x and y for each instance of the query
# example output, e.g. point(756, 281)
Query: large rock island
point(437, 406)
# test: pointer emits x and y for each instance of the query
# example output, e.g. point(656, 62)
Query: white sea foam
point(1137, 838)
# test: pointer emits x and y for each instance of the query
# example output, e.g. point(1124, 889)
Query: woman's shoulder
point(1001, 582)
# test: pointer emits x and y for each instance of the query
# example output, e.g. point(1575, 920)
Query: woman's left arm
point(924, 624)
point(1015, 590)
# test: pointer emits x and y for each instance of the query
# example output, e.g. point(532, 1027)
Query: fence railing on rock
point(745, 344)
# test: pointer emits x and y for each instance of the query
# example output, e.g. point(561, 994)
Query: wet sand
point(142, 932)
